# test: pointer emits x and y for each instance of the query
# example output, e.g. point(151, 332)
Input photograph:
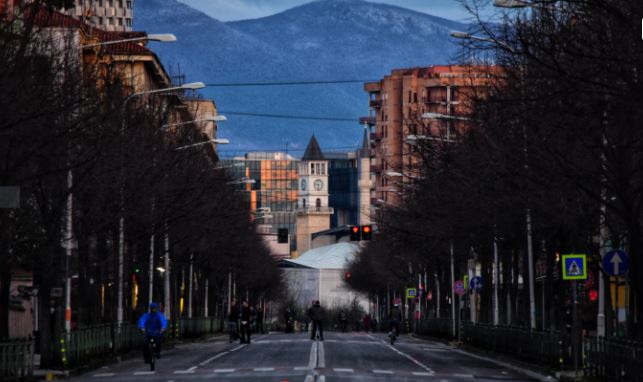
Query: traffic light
point(347, 275)
point(282, 235)
point(367, 232)
point(355, 233)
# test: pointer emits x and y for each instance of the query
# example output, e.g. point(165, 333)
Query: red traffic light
point(593, 294)
point(355, 229)
point(347, 275)
point(367, 229)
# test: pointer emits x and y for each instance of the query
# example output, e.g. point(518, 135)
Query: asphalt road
point(294, 357)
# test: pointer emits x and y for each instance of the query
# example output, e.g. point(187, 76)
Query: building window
point(100, 3)
point(317, 169)
point(303, 202)
point(129, 4)
point(100, 21)
point(318, 203)
point(111, 21)
point(323, 169)
point(312, 169)
point(128, 22)
point(120, 21)
point(111, 3)
point(120, 3)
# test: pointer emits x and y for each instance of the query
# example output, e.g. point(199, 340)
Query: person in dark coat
point(259, 319)
point(233, 321)
point(316, 314)
point(245, 322)
point(343, 320)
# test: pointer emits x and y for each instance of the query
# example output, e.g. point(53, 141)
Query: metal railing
point(80, 346)
point(16, 360)
point(436, 327)
point(612, 359)
point(550, 348)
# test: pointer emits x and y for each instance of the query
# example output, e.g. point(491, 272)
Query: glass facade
point(343, 188)
point(273, 195)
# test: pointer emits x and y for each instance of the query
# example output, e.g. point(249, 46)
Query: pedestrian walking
point(367, 323)
point(245, 323)
point(259, 319)
point(316, 314)
point(343, 321)
point(233, 321)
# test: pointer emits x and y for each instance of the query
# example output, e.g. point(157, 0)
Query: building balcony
point(315, 210)
point(376, 103)
point(367, 121)
point(373, 87)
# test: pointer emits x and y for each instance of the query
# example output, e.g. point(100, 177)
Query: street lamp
point(121, 224)
point(215, 141)
point(511, 4)
point(216, 118)
point(530, 249)
point(164, 37)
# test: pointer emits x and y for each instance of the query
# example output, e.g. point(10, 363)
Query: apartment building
point(110, 15)
point(409, 105)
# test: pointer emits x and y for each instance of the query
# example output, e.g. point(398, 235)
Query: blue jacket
point(152, 323)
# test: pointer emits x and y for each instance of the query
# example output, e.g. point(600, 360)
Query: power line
point(287, 83)
point(286, 116)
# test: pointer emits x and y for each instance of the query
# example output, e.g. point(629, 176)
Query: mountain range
point(319, 41)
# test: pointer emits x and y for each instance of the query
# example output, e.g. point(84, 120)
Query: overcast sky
point(226, 10)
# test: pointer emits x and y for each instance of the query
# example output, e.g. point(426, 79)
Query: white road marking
point(103, 375)
point(237, 348)
point(422, 374)
point(207, 361)
point(264, 369)
point(188, 371)
point(301, 368)
point(462, 375)
point(322, 378)
point(382, 371)
point(309, 378)
point(321, 357)
point(144, 372)
point(415, 361)
point(224, 370)
point(312, 360)
point(342, 370)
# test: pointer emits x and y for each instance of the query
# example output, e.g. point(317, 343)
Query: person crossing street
point(316, 314)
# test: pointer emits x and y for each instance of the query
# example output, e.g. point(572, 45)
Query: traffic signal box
point(364, 232)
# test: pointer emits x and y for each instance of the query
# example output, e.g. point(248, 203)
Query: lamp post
point(164, 37)
point(530, 249)
point(121, 224)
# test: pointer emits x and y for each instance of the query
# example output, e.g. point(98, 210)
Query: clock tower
point(313, 212)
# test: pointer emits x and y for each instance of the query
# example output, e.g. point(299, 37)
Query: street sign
point(411, 292)
point(458, 287)
point(476, 283)
point(56, 292)
point(574, 267)
point(616, 262)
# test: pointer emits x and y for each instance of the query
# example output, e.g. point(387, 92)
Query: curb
point(527, 372)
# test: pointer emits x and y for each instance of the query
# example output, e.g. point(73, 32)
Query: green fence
point(436, 327)
point(613, 359)
point(84, 344)
point(16, 360)
point(550, 348)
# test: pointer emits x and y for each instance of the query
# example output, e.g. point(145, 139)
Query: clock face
point(303, 184)
point(319, 185)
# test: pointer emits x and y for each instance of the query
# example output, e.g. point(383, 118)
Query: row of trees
point(70, 136)
point(556, 138)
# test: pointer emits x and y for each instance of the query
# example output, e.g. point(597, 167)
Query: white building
point(318, 274)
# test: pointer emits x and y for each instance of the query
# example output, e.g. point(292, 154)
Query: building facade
point(109, 15)
point(270, 183)
point(428, 104)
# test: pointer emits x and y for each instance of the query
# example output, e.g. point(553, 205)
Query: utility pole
point(190, 289)
point(150, 271)
point(166, 274)
point(496, 301)
point(69, 235)
point(453, 317)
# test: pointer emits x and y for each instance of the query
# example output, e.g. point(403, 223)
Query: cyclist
point(153, 324)
point(396, 318)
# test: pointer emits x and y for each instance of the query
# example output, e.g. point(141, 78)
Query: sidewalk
point(532, 370)
point(52, 374)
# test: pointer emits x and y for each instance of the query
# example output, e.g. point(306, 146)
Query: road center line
point(103, 375)
point(207, 361)
point(321, 357)
point(312, 360)
point(144, 372)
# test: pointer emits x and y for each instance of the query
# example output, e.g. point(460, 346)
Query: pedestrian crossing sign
point(574, 267)
point(411, 293)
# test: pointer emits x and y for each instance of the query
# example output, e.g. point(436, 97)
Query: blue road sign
point(616, 262)
point(476, 283)
point(575, 267)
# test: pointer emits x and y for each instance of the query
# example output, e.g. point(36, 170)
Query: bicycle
point(150, 357)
